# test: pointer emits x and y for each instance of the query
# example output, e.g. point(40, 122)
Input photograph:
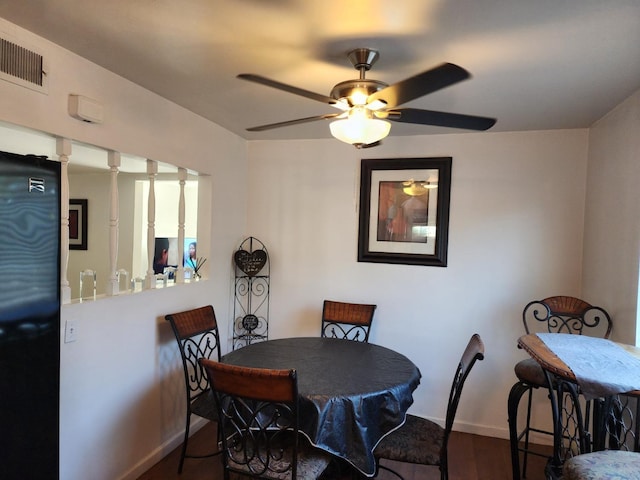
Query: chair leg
point(527, 431)
point(444, 472)
point(515, 395)
point(183, 454)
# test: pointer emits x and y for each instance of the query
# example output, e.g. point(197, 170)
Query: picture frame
point(78, 225)
point(404, 211)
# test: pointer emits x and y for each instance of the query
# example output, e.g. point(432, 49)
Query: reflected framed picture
point(78, 224)
point(404, 211)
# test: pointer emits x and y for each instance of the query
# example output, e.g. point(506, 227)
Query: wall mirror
point(90, 183)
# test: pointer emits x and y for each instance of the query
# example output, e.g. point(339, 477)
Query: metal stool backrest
point(196, 332)
point(562, 314)
point(348, 321)
point(258, 410)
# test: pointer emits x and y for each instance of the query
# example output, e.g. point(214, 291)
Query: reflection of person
point(415, 213)
point(191, 260)
point(391, 221)
point(161, 255)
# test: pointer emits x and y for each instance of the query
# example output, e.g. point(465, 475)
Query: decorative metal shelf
point(251, 293)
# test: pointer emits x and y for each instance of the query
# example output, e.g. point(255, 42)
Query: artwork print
point(404, 211)
point(402, 215)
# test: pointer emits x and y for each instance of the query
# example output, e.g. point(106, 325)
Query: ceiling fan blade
point(419, 85)
point(288, 123)
point(440, 119)
point(291, 89)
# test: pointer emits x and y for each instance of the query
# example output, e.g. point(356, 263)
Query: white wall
point(612, 229)
point(516, 226)
point(121, 392)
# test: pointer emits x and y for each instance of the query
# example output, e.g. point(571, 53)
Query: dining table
point(595, 369)
point(351, 394)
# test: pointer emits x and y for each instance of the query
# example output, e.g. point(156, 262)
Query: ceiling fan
point(366, 105)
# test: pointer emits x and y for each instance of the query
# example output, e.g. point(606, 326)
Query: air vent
point(22, 66)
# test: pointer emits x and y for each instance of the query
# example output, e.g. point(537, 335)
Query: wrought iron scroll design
point(620, 423)
point(583, 426)
point(356, 333)
point(194, 348)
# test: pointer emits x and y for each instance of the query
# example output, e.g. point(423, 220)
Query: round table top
point(330, 366)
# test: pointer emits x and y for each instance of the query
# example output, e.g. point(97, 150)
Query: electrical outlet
point(70, 331)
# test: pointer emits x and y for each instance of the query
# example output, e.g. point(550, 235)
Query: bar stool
point(558, 314)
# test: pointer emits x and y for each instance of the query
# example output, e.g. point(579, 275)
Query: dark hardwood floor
point(471, 457)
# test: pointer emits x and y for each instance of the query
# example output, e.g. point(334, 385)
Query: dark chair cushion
point(604, 465)
point(205, 406)
point(311, 463)
point(530, 371)
point(417, 441)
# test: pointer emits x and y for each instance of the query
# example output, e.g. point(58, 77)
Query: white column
point(63, 150)
point(113, 159)
point(152, 171)
point(182, 177)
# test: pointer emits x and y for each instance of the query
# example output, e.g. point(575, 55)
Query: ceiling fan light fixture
point(360, 128)
point(374, 102)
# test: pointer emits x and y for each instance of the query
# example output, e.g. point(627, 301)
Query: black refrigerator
point(29, 317)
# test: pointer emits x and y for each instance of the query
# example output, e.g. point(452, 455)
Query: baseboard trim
point(492, 431)
point(162, 451)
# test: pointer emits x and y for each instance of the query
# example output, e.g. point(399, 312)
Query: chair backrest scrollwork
point(563, 314)
point(348, 321)
point(196, 332)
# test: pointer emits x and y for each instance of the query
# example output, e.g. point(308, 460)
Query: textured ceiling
point(543, 64)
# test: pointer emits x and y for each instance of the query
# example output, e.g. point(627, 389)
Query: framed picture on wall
point(404, 211)
point(78, 224)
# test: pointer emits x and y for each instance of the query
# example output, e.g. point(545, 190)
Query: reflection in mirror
point(93, 184)
point(90, 179)
point(168, 253)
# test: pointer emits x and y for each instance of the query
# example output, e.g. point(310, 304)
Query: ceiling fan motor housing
point(361, 88)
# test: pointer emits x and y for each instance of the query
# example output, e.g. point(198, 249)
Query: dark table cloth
point(352, 394)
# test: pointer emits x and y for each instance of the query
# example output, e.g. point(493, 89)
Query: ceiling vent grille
point(22, 66)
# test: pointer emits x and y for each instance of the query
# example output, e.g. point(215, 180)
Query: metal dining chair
point(348, 321)
point(258, 411)
point(558, 314)
point(196, 332)
point(421, 441)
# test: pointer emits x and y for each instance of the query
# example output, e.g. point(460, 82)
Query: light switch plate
point(70, 331)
